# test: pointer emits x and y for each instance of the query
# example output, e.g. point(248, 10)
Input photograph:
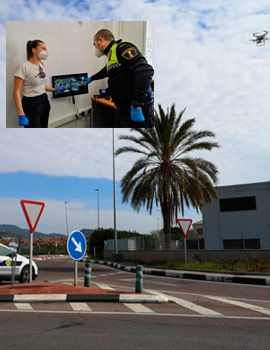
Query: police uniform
point(129, 79)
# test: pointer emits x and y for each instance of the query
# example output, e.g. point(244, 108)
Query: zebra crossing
point(187, 305)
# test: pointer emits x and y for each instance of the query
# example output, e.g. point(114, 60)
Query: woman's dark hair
point(32, 45)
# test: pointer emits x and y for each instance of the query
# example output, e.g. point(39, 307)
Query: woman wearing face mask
point(30, 77)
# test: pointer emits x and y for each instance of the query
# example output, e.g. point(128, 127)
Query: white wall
point(70, 47)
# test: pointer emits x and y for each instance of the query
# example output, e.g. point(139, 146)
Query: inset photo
point(97, 74)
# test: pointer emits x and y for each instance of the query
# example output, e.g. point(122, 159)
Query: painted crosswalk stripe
point(80, 307)
point(104, 286)
point(23, 306)
point(194, 307)
point(138, 308)
point(261, 309)
point(189, 305)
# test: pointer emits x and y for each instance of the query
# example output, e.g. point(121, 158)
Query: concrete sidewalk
point(256, 279)
point(55, 292)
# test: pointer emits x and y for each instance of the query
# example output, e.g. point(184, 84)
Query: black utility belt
point(144, 105)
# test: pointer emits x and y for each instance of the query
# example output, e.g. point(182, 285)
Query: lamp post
point(66, 217)
point(97, 190)
point(114, 198)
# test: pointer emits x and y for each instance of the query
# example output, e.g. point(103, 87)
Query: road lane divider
point(31, 298)
point(198, 275)
point(142, 298)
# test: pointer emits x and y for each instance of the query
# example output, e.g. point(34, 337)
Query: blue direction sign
point(76, 245)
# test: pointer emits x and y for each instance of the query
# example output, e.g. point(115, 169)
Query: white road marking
point(189, 305)
point(128, 279)
point(263, 310)
point(104, 286)
point(138, 307)
point(23, 306)
point(140, 314)
point(80, 307)
point(110, 274)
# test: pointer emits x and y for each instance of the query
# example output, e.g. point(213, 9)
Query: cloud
point(203, 61)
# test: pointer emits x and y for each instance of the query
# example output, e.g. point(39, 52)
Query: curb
point(211, 277)
point(120, 298)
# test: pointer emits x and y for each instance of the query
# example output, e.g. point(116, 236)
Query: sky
point(203, 62)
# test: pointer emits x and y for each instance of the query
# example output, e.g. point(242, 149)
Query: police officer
point(129, 80)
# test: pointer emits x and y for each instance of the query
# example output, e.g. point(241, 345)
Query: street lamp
point(97, 190)
point(66, 217)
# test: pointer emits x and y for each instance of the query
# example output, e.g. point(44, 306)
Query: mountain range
point(13, 230)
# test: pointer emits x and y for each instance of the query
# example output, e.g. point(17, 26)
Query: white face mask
point(43, 55)
point(98, 53)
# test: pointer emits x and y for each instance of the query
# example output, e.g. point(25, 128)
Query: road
point(200, 315)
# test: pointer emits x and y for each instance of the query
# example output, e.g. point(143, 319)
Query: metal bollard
point(139, 279)
point(87, 274)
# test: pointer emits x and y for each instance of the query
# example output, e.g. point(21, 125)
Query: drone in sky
point(260, 38)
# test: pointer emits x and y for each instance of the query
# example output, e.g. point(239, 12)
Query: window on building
point(251, 243)
point(200, 231)
point(237, 204)
point(233, 244)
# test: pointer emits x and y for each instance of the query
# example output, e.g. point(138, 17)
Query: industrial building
point(239, 218)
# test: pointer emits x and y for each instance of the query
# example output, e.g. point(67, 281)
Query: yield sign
point(184, 225)
point(32, 211)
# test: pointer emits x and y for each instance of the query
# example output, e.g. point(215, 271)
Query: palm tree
point(165, 174)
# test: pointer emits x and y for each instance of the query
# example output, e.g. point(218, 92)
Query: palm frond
point(166, 174)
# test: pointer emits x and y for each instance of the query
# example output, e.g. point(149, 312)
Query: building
point(198, 229)
point(239, 218)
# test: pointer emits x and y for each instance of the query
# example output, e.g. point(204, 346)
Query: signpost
point(185, 225)
point(76, 247)
point(32, 211)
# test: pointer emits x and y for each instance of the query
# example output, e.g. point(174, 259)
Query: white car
point(22, 266)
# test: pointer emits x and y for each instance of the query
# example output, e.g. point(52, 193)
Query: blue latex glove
point(62, 88)
point(23, 121)
point(87, 81)
point(137, 115)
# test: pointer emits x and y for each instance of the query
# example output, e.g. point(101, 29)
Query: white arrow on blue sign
point(76, 245)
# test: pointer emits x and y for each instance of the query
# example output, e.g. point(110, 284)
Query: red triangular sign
point(32, 211)
point(184, 225)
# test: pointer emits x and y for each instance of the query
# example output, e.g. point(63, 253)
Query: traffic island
point(55, 292)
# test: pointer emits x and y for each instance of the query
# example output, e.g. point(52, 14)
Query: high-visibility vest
point(112, 56)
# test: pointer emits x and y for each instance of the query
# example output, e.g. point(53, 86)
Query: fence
point(202, 255)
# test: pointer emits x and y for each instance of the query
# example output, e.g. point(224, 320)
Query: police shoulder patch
point(109, 55)
point(130, 53)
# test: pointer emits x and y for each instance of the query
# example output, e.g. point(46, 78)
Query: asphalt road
point(79, 331)
point(200, 315)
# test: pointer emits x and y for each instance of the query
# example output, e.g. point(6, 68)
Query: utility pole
point(66, 218)
point(97, 190)
point(114, 198)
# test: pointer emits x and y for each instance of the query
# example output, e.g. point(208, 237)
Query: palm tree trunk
point(166, 213)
